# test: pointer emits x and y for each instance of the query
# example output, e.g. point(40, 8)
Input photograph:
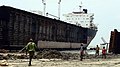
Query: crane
point(105, 43)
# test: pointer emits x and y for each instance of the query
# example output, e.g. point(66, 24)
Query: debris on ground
point(52, 54)
point(4, 63)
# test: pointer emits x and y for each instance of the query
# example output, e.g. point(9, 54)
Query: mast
point(59, 9)
point(80, 7)
point(44, 8)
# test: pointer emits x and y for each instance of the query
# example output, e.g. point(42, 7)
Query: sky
point(106, 12)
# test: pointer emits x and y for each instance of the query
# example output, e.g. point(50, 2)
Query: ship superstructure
point(85, 20)
point(82, 18)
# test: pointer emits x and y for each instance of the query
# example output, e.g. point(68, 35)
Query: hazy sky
point(107, 12)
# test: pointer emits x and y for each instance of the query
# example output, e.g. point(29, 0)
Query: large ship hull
point(67, 45)
point(18, 26)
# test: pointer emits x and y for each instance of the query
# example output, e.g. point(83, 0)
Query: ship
point(17, 26)
point(82, 19)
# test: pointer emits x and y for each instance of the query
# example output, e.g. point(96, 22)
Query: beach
point(64, 63)
point(51, 59)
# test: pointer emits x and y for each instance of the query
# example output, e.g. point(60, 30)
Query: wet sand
point(64, 63)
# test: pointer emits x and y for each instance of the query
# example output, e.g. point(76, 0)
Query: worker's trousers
point(31, 54)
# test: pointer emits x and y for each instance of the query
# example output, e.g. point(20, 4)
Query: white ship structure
point(85, 20)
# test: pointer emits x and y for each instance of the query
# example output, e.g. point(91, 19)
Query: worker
point(97, 51)
point(104, 53)
point(31, 46)
point(81, 52)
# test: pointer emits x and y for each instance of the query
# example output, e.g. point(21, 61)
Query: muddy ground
point(53, 58)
